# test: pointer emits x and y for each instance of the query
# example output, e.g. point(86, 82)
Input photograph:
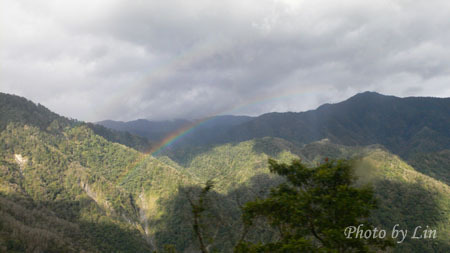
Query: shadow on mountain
point(185, 154)
point(221, 221)
point(411, 205)
point(433, 164)
point(175, 226)
point(273, 147)
point(270, 146)
point(62, 226)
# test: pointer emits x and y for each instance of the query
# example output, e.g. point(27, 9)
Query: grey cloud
point(124, 60)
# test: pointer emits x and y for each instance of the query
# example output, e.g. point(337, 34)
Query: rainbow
point(173, 137)
point(196, 53)
point(179, 133)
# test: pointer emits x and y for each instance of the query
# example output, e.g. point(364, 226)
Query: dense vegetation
point(68, 186)
point(416, 128)
point(406, 196)
point(203, 131)
point(311, 210)
point(64, 188)
point(59, 203)
point(19, 110)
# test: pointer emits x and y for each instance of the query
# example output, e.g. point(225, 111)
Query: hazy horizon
point(121, 60)
point(224, 114)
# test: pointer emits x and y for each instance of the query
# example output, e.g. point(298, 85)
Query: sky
point(127, 59)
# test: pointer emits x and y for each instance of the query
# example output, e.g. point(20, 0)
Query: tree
point(198, 207)
point(311, 210)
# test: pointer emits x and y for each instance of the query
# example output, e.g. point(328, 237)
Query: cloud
point(123, 60)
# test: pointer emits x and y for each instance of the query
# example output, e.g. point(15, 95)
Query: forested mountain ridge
point(400, 124)
point(20, 110)
point(15, 109)
point(211, 130)
point(406, 196)
point(65, 188)
point(416, 128)
point(152, 130)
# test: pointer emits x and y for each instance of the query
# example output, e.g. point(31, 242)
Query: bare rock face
point(21, 161)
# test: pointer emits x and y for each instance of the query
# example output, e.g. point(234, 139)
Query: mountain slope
point(48, 184)
point(19, 110)
point(415, 128)
point(78, 190)
point(208, 131)
point(407, 197)
point(412, 127)
point(65, 188)
point(364, 119)
point(152, 130)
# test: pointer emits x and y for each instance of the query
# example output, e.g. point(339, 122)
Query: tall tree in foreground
point(311, 210)
point(198, 207)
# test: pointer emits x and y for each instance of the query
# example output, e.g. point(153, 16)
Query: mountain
point(412, 127)
point(64, 188)
point(19, 110)
point(406, 196)
point(70, 186)
point(152, 130)
point(404, 125)
point(203, 131)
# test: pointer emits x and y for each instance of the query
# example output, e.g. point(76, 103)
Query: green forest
point(71, 186)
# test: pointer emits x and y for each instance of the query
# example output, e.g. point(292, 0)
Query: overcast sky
point(123, 60)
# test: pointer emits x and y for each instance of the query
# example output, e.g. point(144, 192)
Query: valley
point(71, 186)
